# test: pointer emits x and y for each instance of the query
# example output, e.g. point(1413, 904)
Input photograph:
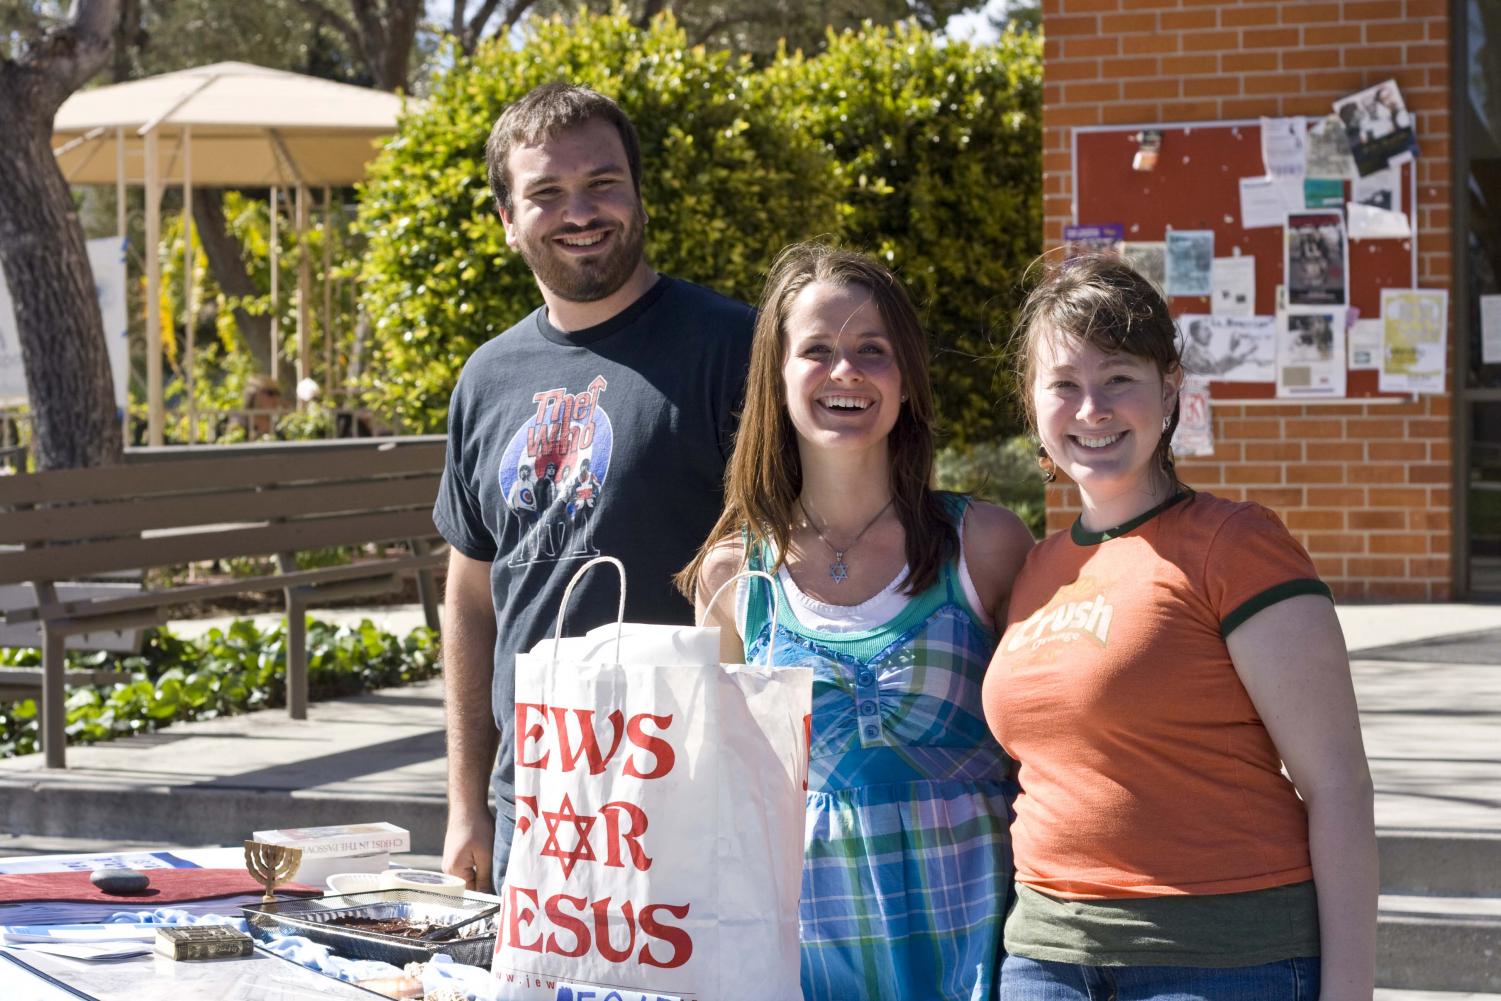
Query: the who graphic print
point(553, 475)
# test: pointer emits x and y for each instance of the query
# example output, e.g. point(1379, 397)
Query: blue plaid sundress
point(907, 854)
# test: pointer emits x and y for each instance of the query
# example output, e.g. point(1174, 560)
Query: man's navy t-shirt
point(609, 441)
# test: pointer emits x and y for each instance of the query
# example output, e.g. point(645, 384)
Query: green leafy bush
point(893, 141)
point(240, 669)
point(937, 146)
point(727, 183)
point(1003, 472)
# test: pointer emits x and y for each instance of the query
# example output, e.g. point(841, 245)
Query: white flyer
point(1414, 322)
point(1229, 348)
point(1190, 255)
point(1381, 190)
point(1148, 260)
point(1366, 338)
point(1284, 147)
point(1234, 282)
point(1311, 353)
point(1260, 203)
point(1490, 330)
point(1329, 149)
point(1195, 433)
point(1370, 223)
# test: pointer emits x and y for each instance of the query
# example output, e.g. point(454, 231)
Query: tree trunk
point(223, 252)
point(42, 252)
point(57, 313)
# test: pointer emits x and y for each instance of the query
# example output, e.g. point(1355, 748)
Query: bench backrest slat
point(63, 562)
point(184, 476)
point(98, 520)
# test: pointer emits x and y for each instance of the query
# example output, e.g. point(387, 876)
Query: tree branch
point(713, 27)
point(330, 19)
point(65, 57)
point(516, 9)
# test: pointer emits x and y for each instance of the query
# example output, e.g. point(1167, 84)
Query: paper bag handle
point(772, 645)
point(557, 636)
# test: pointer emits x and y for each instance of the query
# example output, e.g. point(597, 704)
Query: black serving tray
point(311, 918)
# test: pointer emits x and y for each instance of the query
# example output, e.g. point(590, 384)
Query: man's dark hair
point(543, 113)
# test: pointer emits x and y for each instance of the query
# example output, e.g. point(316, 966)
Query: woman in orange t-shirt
point(1163, 661)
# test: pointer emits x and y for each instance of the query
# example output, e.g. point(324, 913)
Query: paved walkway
point(1432, 729)
point(1431, 734)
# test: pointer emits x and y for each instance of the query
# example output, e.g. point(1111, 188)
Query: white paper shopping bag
point(659, 818)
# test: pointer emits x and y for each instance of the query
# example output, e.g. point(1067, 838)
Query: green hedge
point(240, 669)
point(728, 184)
point(937, 148)
point(891, 141)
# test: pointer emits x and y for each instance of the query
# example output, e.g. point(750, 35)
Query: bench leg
point(54, 708)
point(427, 586)
point(297, 684)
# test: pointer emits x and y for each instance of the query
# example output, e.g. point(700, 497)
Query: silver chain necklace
point(839, 570)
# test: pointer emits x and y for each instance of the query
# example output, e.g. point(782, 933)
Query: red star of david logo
point(582, 852)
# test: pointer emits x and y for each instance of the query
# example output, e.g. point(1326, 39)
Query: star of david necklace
point(839, 570)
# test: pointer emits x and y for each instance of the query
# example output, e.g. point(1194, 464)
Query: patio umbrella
point(222, 125)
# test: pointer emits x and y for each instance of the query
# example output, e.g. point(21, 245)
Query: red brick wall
point(1365, 487)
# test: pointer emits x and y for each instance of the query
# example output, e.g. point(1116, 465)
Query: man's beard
point(586, 279)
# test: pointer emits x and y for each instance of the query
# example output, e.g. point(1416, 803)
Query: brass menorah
point(271, 864)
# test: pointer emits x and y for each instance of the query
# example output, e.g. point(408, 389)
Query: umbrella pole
point(189, 306)
point(275, 283)
point(120, 221)
point(304, 279)
point(153, 295)
point(328, 296)
point(120, 218)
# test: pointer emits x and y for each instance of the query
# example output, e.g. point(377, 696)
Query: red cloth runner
point(168, 886)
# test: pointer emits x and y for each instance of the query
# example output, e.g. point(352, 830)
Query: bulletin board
point(1196, 186)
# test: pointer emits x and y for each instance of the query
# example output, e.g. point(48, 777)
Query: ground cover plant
point(226, 671)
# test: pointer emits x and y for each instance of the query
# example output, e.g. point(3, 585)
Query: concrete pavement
point(1432, 731)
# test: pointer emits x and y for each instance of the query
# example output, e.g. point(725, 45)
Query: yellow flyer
point(1414, 325)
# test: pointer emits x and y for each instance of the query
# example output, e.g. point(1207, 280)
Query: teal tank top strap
point(758, 591)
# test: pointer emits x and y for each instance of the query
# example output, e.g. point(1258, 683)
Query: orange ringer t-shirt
point(1144, 768)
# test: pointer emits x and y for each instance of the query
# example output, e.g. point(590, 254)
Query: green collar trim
point(1084, 537)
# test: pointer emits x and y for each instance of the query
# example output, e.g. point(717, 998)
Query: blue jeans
point(1038, 980)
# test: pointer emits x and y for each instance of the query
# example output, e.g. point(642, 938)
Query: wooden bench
point(200, 504)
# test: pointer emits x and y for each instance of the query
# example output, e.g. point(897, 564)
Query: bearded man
point(634, 373)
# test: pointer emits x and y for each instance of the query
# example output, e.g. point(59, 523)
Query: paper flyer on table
point(1311, 353)
point(1284, 147)
point(1148, 260)
point(90, 863)
point(1329, 149)
point(1234, 282)
point(1378, 125)
point(1190, 255)
point(1106, 238)
point(1414, 324)
point(1195, 432)
point(1366, 339)
point(1315, 259)
point(1229, 348)
point(1490, 330)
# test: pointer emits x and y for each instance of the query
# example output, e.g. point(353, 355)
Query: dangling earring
point(1045, 463)
point(1166, 423)
point(904, 397)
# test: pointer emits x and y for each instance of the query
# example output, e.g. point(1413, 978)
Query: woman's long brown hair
point(765, 476)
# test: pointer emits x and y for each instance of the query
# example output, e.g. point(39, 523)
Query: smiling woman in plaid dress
point(892, 591)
